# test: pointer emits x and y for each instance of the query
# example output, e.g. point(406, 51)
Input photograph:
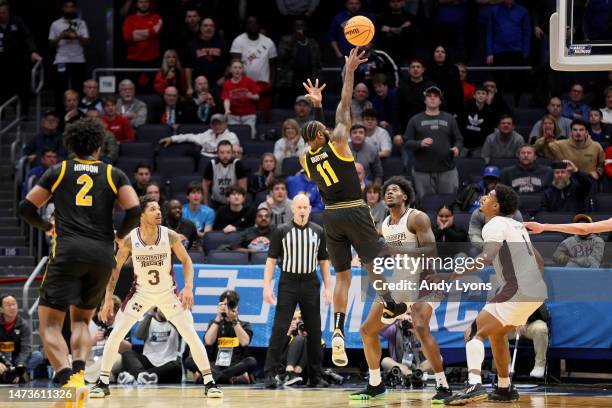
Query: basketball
point(359, 30)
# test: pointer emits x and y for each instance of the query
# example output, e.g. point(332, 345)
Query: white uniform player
point(152, 247)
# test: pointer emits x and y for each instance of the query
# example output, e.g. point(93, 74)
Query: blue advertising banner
point(576, 323)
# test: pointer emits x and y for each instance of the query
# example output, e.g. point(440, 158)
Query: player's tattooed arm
point(122, 254)
point(343, 112)
point(173, 236)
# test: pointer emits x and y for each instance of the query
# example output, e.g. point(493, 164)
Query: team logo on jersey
point(137, 307)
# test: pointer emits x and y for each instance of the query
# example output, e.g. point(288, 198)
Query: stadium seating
point(202, 164)
point(192, 128)
point(278, 116)
point(392, 166)
point(227, 258)
point(603, 202)
point(142, 150)
point(251, 164)
point(431, 202)
point(501, 163)
point(178, 150)
point(128, 164)
point(152, 133)
point(174, 166)
point(197, 257)
point(259, 258)
point(242, 131)
point(530, 203)
point(257, 148)
point(214, 239)
point(179, 183)
point(470, 169)
point(290, 166)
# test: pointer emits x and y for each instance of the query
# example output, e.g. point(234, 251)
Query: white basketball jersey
point(515, 265)
point(152, 263)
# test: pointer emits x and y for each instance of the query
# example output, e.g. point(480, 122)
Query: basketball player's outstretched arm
point(580, 228)
point(340, 135)
point(186, 295)
point(106, 313)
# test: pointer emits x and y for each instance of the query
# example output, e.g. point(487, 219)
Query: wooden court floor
point(239, 397)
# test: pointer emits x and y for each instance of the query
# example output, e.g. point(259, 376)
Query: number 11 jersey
point(152, 263)
point(335, 175)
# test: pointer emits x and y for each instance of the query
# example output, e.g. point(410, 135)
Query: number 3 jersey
point(152, 263)
point(84, 194)
point(335, 175)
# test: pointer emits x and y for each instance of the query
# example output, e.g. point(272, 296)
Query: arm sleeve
point(236, 47)
point(224, 91)
point(322, 255)
point(186, 137)
point(276, 244)
point(82, 30)
point(128, 30)
point(53, 32)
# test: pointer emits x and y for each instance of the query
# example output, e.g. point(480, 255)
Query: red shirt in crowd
point(240, 105)
point(145, 50)
point(121, 127)
point(162, 82)
point(608, 162)
point(468, 90)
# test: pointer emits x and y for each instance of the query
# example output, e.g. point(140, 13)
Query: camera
point(406, 326)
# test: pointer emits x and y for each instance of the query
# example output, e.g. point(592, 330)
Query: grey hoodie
point(581, 252)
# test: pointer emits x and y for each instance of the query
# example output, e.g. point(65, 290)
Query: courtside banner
point(575, 323)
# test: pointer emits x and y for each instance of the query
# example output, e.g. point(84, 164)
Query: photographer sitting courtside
point(229, 339)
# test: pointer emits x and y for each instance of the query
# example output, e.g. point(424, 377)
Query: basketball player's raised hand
point(355, 59)
point(186, 297)
point(315, 92)
point(534, 227)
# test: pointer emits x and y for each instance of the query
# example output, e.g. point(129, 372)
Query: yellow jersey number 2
point(82, 199)
point(328, 174)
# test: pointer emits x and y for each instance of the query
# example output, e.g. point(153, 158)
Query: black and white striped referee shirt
point(299, 248)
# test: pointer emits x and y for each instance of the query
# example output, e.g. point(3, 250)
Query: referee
point(300, 245)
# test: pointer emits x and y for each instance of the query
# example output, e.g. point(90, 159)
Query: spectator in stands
point(376, 135)
point(141, 32)
point(68, 35)
point(278, 202)
point(468, 199)
point(301, 184)
point(186, 229)
point(302, 108)
point(119, 125)
point(468, 88)
point(142, 177)
point(160, 358)
point(16, 356)
point(554, 108)
point(207, 56)
point(599, 131)
point(574, 106)
point(172, 112)
point(446, 77)
point(291, 144)
point(202, 216)
point(268, 168)
point(580, 251)
point(607, 110)
point(299, 57)
point(476, 122)
point(154, 190)
point(191, 31)
point(299, 9)
point(49, 137)
point(385, 102)
point(365, 153)
point(548, 129)
point(172, 73)
point(90, 97)
point(495, 98)
point(445, 230)
point(410, 97)
point(71, 109)
point(130, 107)
point(17, 53)
point(240, 94)
point(569, 189)
point(477, 221)
point(337, 39)
point(236, 334)
point(536, 330)
point(608, 166)
point(361, 175)
point(221, 173)
point(48, 158)
point(110, 146)
point(378, 62)
point(527, 176)
point(450, 23)
point(257, 238)
point(586, 154)
point(209, 139)
point(203, 100)
point(435, 139)
point(508, 43)
point(395, 31)
point(360, 101)
point(234, 216)
point(504, 142)
point(258, 55)
point(372, 194)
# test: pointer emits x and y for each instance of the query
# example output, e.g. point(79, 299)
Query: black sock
point(388, 299)
point(78, 365)
point(63, 375)
point(339, 322)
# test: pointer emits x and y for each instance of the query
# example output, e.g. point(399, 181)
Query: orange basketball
point(359, 30)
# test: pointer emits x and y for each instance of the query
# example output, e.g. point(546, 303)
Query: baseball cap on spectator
point(433, 90)
point(50, 112)
point(491, 171)
point(302, 99)
point(582, 218)
point(218, 117)
point(558, 165)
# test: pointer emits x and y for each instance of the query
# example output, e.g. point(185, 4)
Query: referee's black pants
point(294, 289)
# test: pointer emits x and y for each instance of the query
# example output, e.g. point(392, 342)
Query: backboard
point(581, 36)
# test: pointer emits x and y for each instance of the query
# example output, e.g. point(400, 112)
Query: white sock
point(441, 380)
point(207, 378)
point(375, 379)
point(503, 382)
point(475, 352)
point(104, 377)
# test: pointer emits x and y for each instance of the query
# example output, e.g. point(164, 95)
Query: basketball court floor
point(190, 396)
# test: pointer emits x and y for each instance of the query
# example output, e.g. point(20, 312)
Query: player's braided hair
point(507, 198)
point(403, 184)
point(84, 137)
point(310, 130)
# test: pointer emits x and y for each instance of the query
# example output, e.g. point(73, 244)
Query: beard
point(561, 184)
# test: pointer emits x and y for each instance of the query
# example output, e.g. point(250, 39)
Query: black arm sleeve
point(319, 115)
point(29, 213)
point(130, 221)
